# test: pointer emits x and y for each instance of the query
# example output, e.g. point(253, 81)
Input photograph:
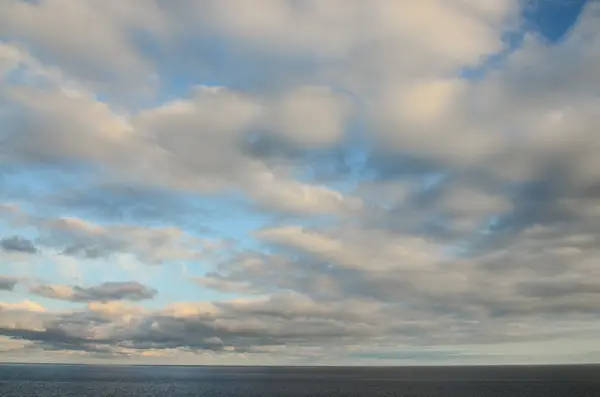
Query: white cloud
point(90, 39)
point(361, 249)
point(193, 144)
point(456, 30)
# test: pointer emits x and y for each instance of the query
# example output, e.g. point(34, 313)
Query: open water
point(154, 381)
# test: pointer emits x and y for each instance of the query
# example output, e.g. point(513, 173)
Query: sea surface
point(152, 381)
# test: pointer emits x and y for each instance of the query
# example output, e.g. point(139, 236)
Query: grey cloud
point(537, 202)
point(504, 283)
point(217, 282)
point(238, 328)
point(70, 331)
point(18, 244)
point(285, 320)
point(386, 164)
point(80, 238)
point(88, 252)
point(51, 339)
point(7, 283)
point(521, 309)
point(559, 288)
point(261, 145)
point(108, 291)
point(115, 291)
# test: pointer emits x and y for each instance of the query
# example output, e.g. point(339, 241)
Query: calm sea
point(151, 381)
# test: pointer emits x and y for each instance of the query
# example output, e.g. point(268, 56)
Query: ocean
point(18, 380)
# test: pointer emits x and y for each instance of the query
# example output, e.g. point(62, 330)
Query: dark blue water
point(136, 381)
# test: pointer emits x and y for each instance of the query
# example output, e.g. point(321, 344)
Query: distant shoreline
point(313, 366)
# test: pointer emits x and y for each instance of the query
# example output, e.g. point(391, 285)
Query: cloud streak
point(18, 244)
point(108, 291)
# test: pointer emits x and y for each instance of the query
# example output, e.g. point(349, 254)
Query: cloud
point(223, 284)
point(427, 183)
point(203, 155)
point(108, 291)
point(139, 36)
point(504, 281)
point(7, 283)
point(82, 52)
point(257, 326)
point(83, 239)
point(357, 248)
point(18, 244)
point(24, 306)
point(228, 327)
point(151, 245)
point(328, 29)
point(326, 111)
point(559, 288)
point(207, 161)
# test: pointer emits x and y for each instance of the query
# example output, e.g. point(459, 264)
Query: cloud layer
point(105, 292)
point(298, 181)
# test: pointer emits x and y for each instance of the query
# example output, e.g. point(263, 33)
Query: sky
point(300, 182)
